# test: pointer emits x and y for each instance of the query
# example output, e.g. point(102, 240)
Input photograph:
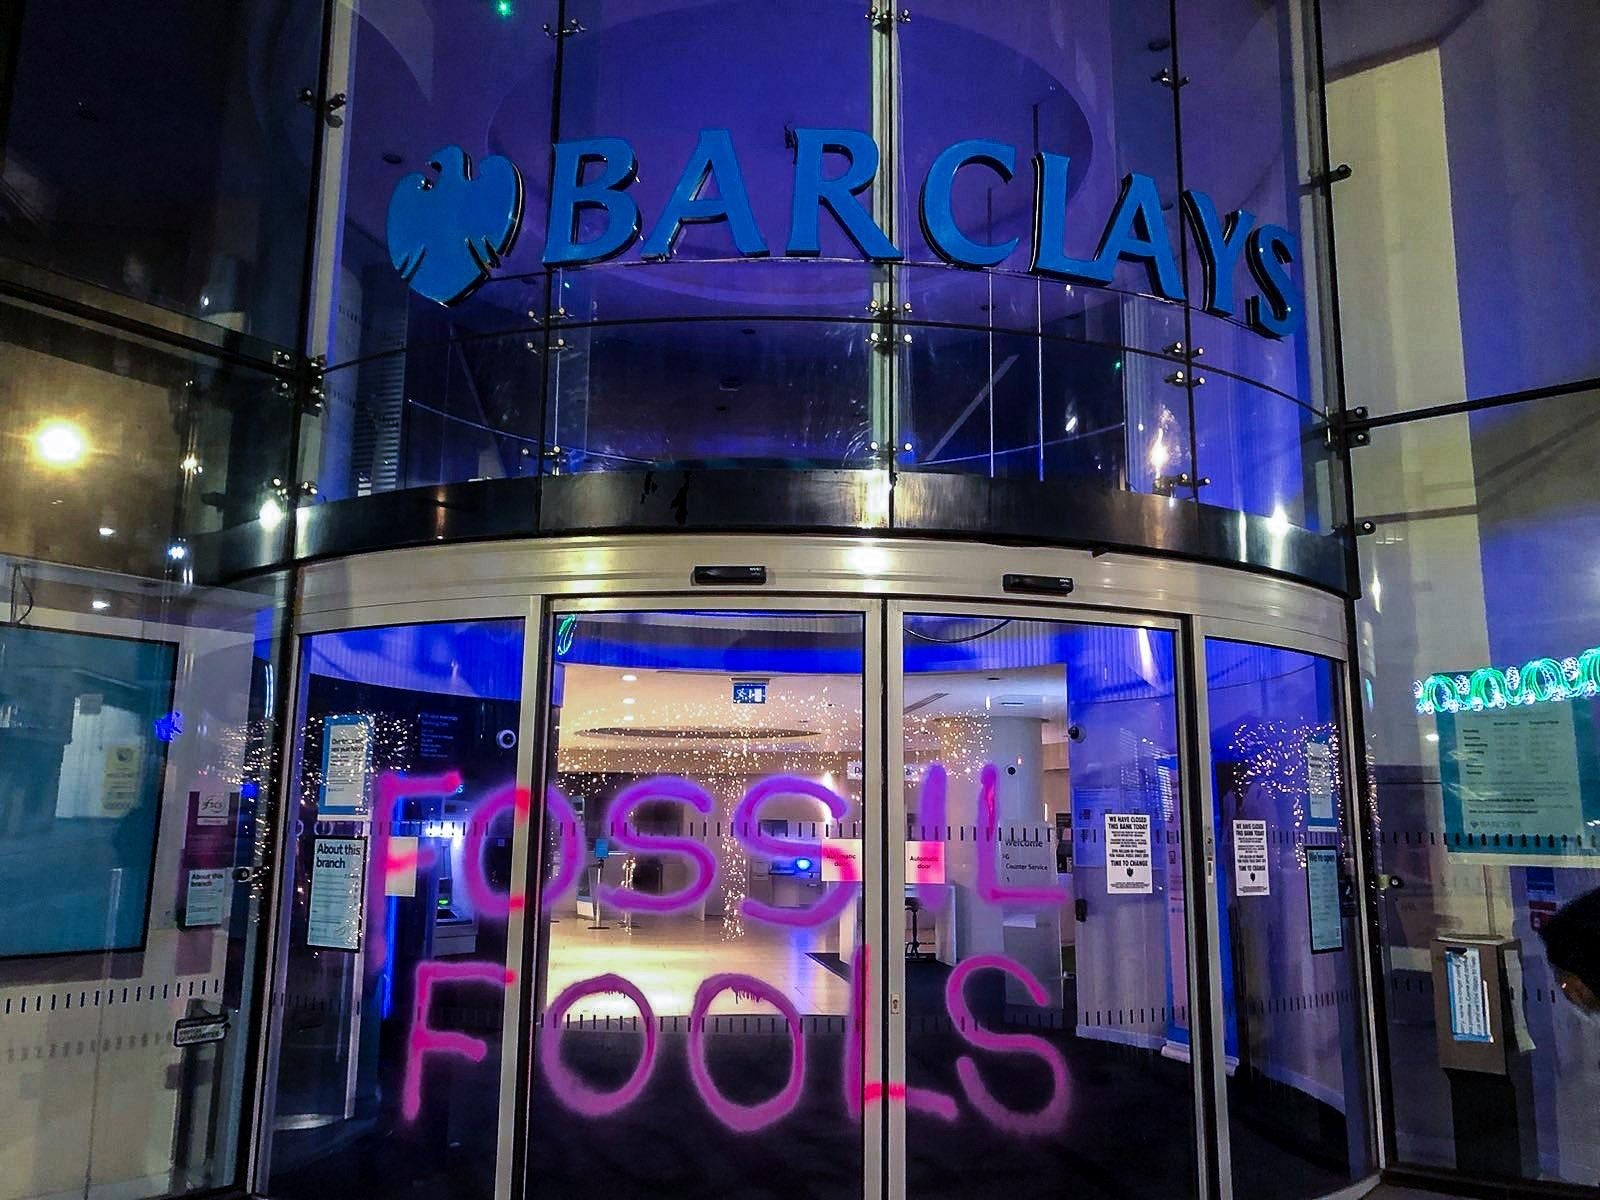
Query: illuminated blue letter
point(811, 191)
point(1050, 221)
point(939, 223)
point(1220, 243)
point(1271, 249)
point(713, 155)
point(570, 195)
point(1137, 233)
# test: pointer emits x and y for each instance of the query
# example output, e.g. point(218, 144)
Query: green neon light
point(1538, 681)
point(566, 630)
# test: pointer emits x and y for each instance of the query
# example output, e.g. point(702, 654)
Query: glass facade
point(829, 362)
point(1464, 260)
point(898, 868)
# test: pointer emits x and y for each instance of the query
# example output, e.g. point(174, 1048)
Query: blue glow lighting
point(169, 726)
point(802, 864)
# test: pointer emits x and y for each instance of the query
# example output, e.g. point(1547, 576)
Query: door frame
point(883, 579)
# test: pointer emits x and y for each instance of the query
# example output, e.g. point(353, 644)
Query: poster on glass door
point(1128, 854)
point(1250, 859)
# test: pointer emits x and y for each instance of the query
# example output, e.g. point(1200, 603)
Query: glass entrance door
point(849, 898)
point(1040, 939)
point(701, 1008)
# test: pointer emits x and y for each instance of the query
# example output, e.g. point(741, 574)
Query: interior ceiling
point(697, 708)
point(1357, 33)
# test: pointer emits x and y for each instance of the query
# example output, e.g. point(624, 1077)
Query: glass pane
point(168, 160)
point(136, 457)
point(1024, 83)
point(1478, 591)
point(1294, 1043)
point(395, 956)
point(436, 88)
point(136, 756)
point(1459, 277)
point(1012, 406)
point(703, 938)
point(1263, 453)
point(710, 394)
point(711, 358)
point(1047, 1013)
point(1245, 146)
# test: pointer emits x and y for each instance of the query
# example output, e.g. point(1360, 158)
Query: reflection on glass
point(1047, 1020)
point(1291, 1004)
point(396, 964)
point(699, 1018)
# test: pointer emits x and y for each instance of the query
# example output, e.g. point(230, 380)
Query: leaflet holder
point(1491, 1104)
point(1472, 1003)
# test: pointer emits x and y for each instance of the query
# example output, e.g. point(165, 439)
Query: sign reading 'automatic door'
point(1128, 854)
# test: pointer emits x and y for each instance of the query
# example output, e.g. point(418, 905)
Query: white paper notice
point(1322, 899)
point(346, 765)
point(1128, 854)
point(841, 860)
point(1518, 772)
point(205, 897)
point(1319, 780)
point(338, 877)
point(1469, 994)
point(400, 878)
point(1250, 859)
point(924, 862)
point(120, 783)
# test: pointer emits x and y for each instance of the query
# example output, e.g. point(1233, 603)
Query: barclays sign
point(448, 233)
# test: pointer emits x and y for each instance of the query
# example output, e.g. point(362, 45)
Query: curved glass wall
point(729, 343)
point(859, 894)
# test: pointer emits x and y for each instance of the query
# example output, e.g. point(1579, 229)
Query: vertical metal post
point(1207, 1027)
point(884, 362)
point(330, 170)
point(523, 924)
point(894, 877)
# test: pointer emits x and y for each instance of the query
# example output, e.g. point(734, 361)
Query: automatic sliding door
point(1297, 1115)
point(1046, 1021)
point(699, 1023)
point(394, 950)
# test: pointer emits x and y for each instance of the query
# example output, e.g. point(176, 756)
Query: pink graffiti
point(568, 1088)
point(859, 1092)
point(990, 889)
point(1053, 1115)
point(661, 787)
point(745, 1118)
point(486, 902)
point(424, 1039)
point(565, 879)
point(747, 827)
point(391, 788)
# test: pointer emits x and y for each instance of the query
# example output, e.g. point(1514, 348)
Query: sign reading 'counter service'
point(448, 231)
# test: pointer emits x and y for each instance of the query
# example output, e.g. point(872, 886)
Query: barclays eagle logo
point(447, 233)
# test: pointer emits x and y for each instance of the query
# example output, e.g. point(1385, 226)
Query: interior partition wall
point(876, 883)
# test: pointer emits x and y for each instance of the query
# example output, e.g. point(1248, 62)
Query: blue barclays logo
point(447, 234)
point(833, 167)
